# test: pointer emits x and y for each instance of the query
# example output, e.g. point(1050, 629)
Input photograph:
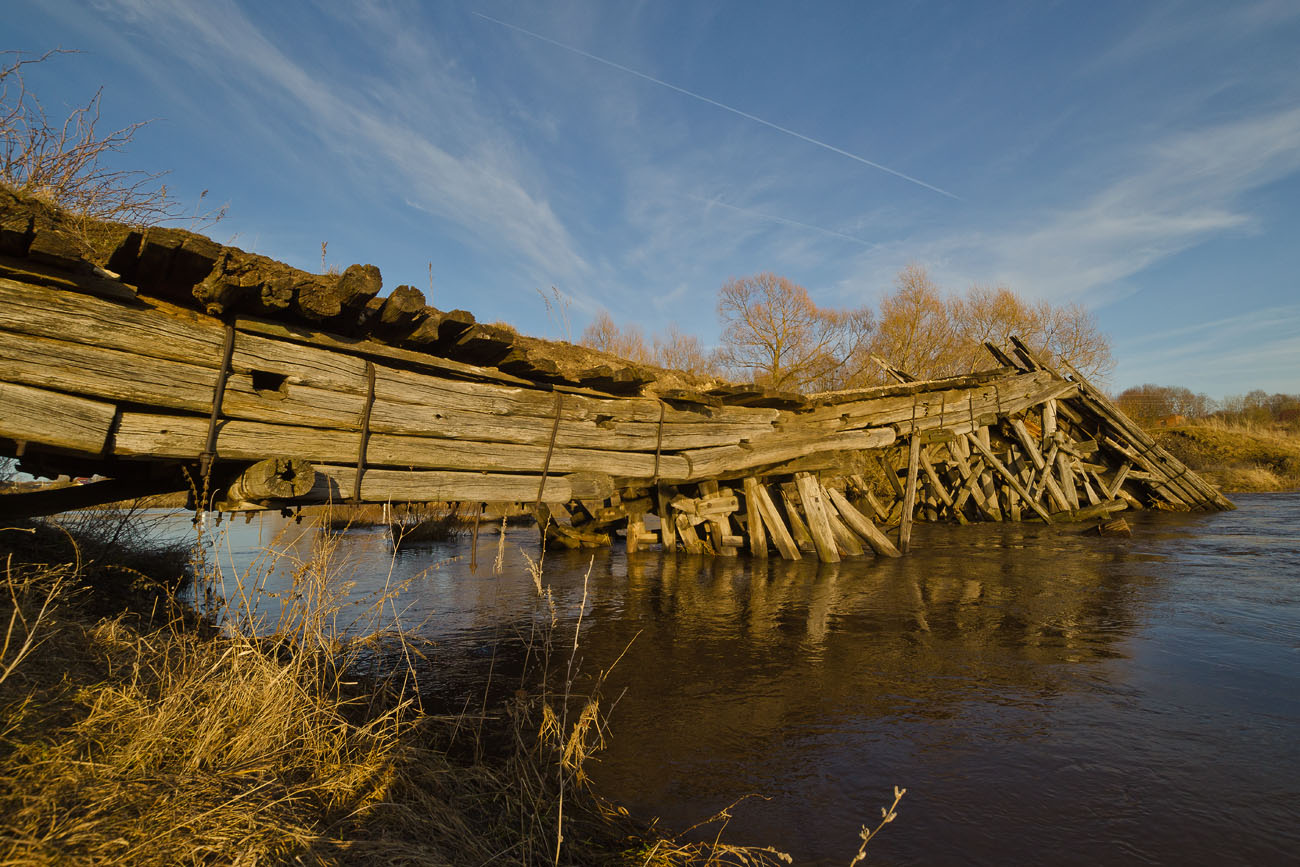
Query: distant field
point(1237, 458)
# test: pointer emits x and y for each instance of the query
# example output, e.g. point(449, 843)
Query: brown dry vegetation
point(1237, 457)
point(151, 736)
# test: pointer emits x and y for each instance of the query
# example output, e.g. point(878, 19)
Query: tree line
point(1154, 405)
point(774, 334)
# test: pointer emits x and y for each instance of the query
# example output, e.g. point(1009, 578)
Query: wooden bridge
point(165, 361)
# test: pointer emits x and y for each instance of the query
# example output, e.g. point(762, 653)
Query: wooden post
point(814, 507)
point(909, 496)
point(754, 520)
point(798, 528)
point(863, 526)
point(667, 524)
point(981, 436)
point(772, 518)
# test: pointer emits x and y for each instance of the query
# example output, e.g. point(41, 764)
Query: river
point(1045, 695)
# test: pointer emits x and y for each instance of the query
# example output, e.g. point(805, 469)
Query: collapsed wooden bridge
point(164, 361)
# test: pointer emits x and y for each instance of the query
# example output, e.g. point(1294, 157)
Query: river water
point(1045, 695)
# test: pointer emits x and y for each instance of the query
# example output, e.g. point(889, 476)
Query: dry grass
point(292, 732)
point(1237, 457)
point(282, 736)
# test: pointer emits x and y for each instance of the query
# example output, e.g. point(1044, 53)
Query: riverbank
point(1236, 458)
point(134, 732)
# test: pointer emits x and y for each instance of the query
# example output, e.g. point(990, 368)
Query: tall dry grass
point(288, 730)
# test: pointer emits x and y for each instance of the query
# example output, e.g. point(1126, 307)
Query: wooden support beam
point(1010, 478)
point(1066, 472)
point(814, 508)
point(862, 525)
point(890, 473)
point(719, 523)
point(771, 518)
point(935, 484)
point(754, 520)
point(846, 540)
point(32, 504)
point(909, 495)
point(798, 527)
point(981, 434)
point(667, 521)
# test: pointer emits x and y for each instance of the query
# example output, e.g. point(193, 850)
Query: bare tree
point(915, 332)
point(62, 161)
point(773, 330)
point(678, 351)
point(606, 335)
point(929, 334)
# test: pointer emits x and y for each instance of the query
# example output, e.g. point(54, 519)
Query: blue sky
point(1140, 158)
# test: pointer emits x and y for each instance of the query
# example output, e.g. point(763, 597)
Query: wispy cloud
point(461, 181)
point(1164, 199)
point(715, 103)
point(1260, 348)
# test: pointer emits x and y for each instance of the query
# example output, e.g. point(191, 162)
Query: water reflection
point(1046, 695)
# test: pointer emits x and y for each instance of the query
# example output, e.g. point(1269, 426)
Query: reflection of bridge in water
point(285, 388)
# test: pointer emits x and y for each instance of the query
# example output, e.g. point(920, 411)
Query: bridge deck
point(285, 388)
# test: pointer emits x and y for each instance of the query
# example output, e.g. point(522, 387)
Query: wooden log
point(635, 532)
point(55, 420)
point(754, 520)
point(891, 475)
point(771, 519)
point(848, 542)
point(1066, 473)
point(401, 311)
point(1112, 490)
point(863, 526)
point(814, 508)
point(273, 479)
point(909, 496)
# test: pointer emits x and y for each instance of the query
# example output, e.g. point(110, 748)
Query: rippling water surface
point(1045, 695)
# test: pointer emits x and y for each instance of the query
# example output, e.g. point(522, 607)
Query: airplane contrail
point(723, 106)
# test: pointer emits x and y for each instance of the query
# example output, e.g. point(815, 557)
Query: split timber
point(164, 361)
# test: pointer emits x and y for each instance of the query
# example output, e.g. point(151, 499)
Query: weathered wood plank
point(334, 484)
point(814, 509)
point(799, 530)
point(152, 435)
point(781, 536)
point(56, 420)
point(754, 519)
